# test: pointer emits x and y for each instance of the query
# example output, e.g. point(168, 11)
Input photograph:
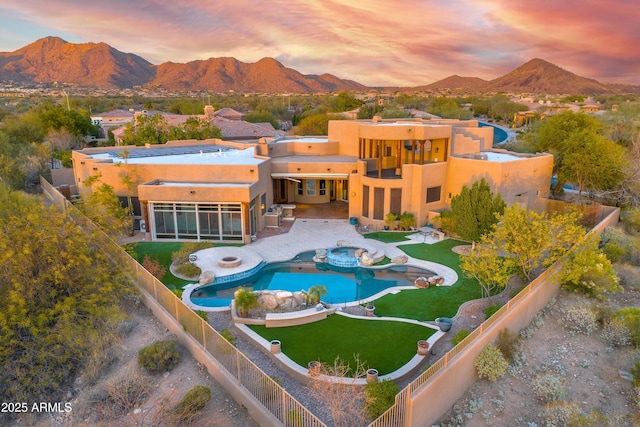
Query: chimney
point(209, 111)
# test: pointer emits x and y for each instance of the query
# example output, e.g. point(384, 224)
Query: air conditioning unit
point(143, 226)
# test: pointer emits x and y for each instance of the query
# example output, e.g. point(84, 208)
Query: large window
point(395, 205)
point(221, 221)
point(433, 194)
point(311, 187)
point(378, 203)
point(365, 201)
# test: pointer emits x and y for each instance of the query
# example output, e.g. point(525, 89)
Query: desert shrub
point(181, 256)
point(580, 318)
point(508, 343)
point(459, 336)
point(616, 333)
point(227, 335)
point(188, 270)
point(379, 397)
point(635, 371)
point(549, 387)
point(616, 244)
point(191, 404)
point(177, 292)
point(490, 363)
point(203, 315)
point(629, 275)
point(153, 266)
point(102, 352)
point(631, 316)
point(491, 310)
point(571, 414)
point(614, 251)
point(126, 393)
point(159, 357)
point(604, 312)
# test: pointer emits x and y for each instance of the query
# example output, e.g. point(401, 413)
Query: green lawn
point(389, 236)
point(428, 304)
point(162, 252)
point(383, 345)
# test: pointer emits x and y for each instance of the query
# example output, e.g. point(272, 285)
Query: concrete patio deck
point(309, 235)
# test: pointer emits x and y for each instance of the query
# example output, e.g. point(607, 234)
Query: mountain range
point(51, 59)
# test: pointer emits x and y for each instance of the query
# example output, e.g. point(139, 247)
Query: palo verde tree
point(588, 270)
point(485, 264)
point(534, 239)
point(61, 296)
point(475, 210)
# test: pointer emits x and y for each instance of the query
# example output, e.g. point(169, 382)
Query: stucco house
point(227, 190)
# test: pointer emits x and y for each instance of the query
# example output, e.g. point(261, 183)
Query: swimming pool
point(499, 134)
point(343, 284)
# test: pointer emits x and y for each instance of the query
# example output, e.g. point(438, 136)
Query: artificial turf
point(382, 345)
point(389, 236)
point(434, 302)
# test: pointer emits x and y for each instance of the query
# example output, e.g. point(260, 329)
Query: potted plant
point(245, 301)
point(370, 308)
point(390, 221)
point(316, 292)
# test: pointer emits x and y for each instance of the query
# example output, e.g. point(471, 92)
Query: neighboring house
point(223, 190)
point(590, 108)
point(228, 120)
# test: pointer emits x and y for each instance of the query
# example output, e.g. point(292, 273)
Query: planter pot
point(370, 311)
point(444, 323)
point(423, 348)
point(372, 375)
point(314, 368)
point(275, 346)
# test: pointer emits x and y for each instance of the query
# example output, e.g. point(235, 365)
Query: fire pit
point(230, 262)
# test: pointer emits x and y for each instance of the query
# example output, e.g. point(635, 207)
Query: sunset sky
point(377, 43)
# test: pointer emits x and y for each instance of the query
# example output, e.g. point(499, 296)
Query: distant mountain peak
point(99, 65)
point(52, 59)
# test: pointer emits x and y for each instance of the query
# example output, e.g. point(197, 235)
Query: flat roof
point(182, 155)
point(501, 157)
point(302, 139)
point(201, 184)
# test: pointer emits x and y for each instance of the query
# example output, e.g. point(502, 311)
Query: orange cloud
point(405, 42)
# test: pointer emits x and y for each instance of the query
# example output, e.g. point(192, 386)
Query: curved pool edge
point(186, 298)
point(301, 373)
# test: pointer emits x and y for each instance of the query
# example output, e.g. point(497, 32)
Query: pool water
point(343, 284)
point(499, 134)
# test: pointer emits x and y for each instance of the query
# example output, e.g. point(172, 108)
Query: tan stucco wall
point(530, 177)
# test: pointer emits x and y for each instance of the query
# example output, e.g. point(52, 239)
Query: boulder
point(284, 299)
point(207, 278)
point(436, 280)
point(400, 259)
point(267, 301)
point(421, 282)
point(359, 252)
point(300, 297)
point(367, 259)
point(343, 243)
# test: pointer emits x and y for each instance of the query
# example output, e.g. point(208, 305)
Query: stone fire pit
point(230, 262)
